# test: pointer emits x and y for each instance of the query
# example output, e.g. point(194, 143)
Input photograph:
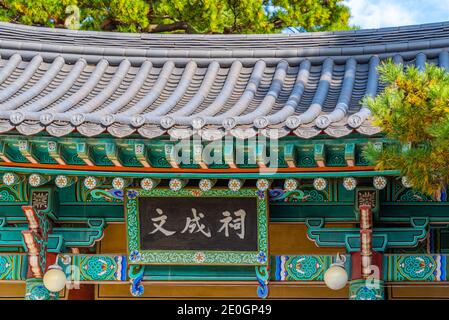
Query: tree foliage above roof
point(413, 109)
point(190, 16)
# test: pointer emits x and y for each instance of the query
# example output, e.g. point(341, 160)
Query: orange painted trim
point(181, 170)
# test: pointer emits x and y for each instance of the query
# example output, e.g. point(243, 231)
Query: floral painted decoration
point(9, 178)
point(61, 181)
point(147, 184)
point(35, 180)
point(135, 256)
point(90, 182)
point(349, 183)
point(379, 182)
point(406, 183)
point(261, 257)
point(175, 184)
point(319, 184)
point(262, 184)
point(234, 184)
point(132, 194)
point(290, 184)
point(199, 257)
point(205, 185)
point(118, 183)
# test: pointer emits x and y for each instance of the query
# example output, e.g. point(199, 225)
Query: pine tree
point(188, 16)
point(413, 111)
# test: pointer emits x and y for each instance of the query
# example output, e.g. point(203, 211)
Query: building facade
point(209, 166)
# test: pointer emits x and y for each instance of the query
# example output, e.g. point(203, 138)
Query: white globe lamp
point(54, 279)
point(336, 276)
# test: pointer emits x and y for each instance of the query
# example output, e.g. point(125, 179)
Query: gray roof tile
point(154, 84)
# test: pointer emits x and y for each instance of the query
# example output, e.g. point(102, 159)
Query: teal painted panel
point(303, 267)
point(416, 267)
point(13, 267)
point(210, 273)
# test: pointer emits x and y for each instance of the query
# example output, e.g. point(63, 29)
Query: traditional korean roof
point(61, 81)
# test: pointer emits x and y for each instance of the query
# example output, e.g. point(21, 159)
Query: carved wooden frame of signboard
point(137, 256)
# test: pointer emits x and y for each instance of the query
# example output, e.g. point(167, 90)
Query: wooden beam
point(25, 148)
point(112, 151)
point(170, 155)
point(289, 155)
point(54, 150)
point(83, 152)
point(140, 152)
point(3, 155)
point(350, 154)
point(319, 154)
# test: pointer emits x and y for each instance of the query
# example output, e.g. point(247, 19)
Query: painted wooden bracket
point(290, 155)
point(170, 155)
point(229, 155)
point(63, 237)
point(350, 154)
point(3, 154)
point(59, 238)
point(112, 152)
point(25, 148)
point(36, 240)
point(55, 151)
point(262, 275)
point(83, 152)
point(198, 156)
point(382, 238)
point(136, 273)
point(140, 152)
point(319, 154)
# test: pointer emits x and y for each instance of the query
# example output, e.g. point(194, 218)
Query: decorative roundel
point(147, 184)
point(290, 184)
point(61, 181)
point(9, 178)
point(175, 184)
point(379, 182)
point(35, 180)
point(234, 184)
point(406, 183)
point(205, 184)
point(349, 183)
point(90, 182)
point(118, 183)
point(319, 184)
point(262, 184)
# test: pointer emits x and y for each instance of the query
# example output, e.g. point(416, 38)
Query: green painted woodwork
point(13, 267)
point(35, 290)
point(186, 257)
point(415, 267)
point(303, 267)
point(60, 237)
point(400, 236)
point(205, 175)
point(93, 267)
point(371, 289)
point(199, 273)
point(160, 152)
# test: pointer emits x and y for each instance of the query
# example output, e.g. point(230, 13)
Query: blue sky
point(392, 13)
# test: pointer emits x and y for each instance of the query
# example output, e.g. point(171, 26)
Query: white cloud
point(391, 13)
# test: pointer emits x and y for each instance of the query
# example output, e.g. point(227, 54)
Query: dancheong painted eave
point(61, 81)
